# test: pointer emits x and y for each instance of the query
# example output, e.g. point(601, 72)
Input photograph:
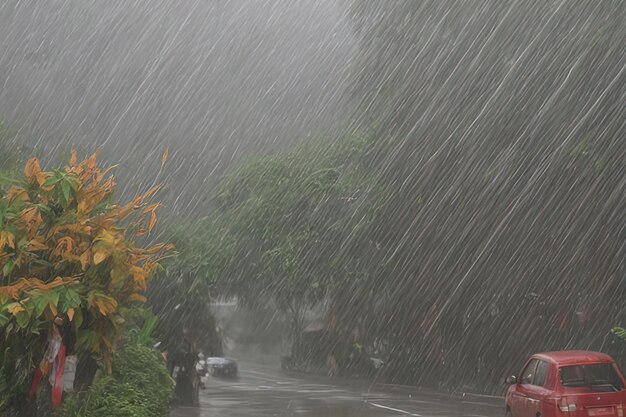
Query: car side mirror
point(511, 380)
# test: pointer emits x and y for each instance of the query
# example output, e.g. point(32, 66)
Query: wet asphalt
point(268, 391)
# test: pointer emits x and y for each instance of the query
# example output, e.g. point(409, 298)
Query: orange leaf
point(32, 217)
point(42, 177)
point(73, 158)
point(64, 247)
point(6, 239)
point(150, 208)
point(17, 193)
point(34, 245)
point(10, 292)
point(137, 297)
point(153, 220)
point(152, 191)
point(91, 163)
point(139, 278)
point(70, 314)
point(164, 159)
point(32, 169)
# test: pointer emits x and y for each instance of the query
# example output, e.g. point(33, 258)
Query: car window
point(591, 375)
point(529, 372)
point(541, 373)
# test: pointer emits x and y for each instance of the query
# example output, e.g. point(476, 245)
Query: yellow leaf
point(164, 159)
point(99, 257)
point(32, 169)
point(14, 308)
point(70, 314)
point(108, 237)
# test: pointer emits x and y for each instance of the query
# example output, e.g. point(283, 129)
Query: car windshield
point(591, 375)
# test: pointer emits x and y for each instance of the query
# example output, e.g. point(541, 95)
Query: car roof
point(573, 357)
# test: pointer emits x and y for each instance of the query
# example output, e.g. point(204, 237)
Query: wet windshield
point(590, 376)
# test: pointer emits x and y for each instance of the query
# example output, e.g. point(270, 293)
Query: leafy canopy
point(66, 249)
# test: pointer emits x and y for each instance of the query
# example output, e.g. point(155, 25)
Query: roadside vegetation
point(71, 274)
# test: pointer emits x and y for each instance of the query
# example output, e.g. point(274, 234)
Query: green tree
point(293, 220)
point(67, 253)
point(181, 295)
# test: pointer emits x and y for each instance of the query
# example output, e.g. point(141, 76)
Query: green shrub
point(139, 386)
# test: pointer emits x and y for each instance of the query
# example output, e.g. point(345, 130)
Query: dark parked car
point(222, 367)
point(568, 383)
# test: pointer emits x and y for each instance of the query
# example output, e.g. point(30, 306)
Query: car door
point(519, 398)
point(536, 392)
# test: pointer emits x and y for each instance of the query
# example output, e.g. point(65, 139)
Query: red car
point(568, 383)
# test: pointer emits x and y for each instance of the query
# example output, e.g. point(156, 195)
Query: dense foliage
point(138, 386)
point(66, 250)
point(290, 218)
point(181, 293)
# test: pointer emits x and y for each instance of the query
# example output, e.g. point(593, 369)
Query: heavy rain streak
point(312, 208)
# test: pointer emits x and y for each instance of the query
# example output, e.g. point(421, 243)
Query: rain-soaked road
point(264, 391)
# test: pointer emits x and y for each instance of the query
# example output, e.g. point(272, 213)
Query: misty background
point(214, 81)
